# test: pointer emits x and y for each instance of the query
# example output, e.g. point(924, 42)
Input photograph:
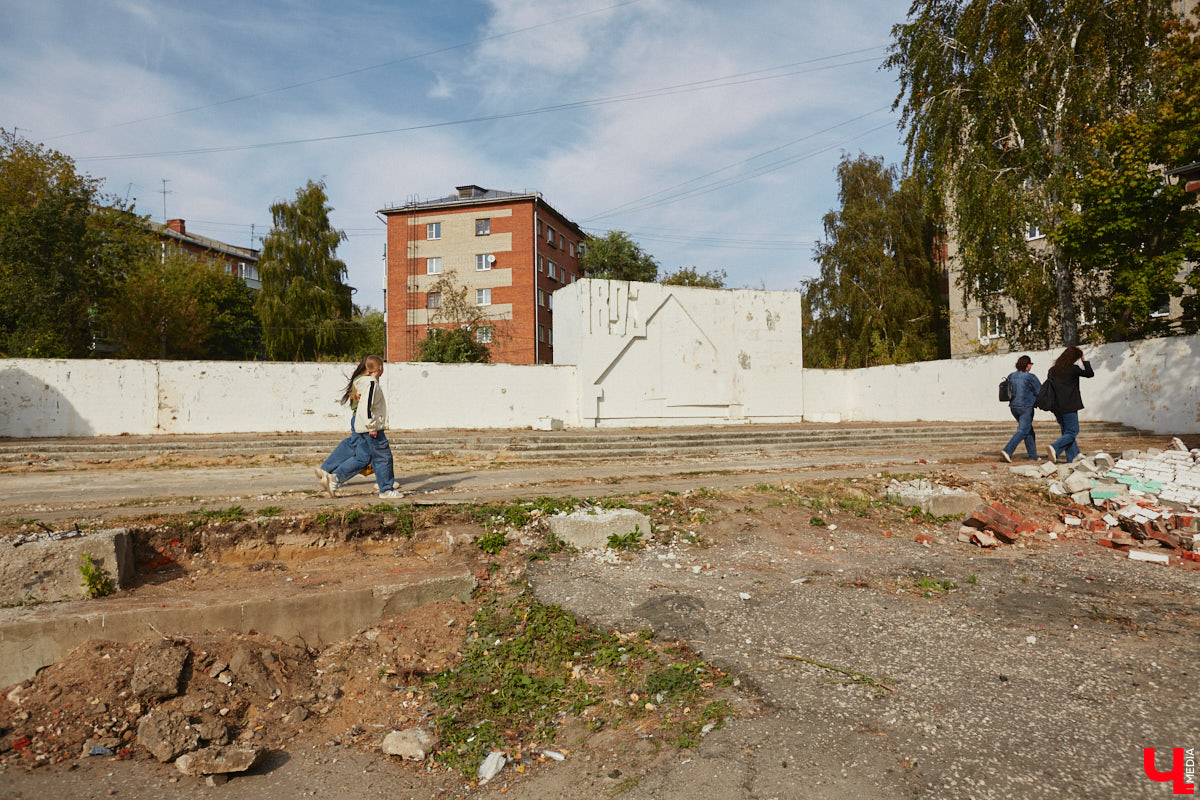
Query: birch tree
point(997, 98)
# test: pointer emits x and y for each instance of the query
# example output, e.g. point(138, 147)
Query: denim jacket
point(1025, 388)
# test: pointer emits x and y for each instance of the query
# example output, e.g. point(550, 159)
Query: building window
point(541, 333)
point(551, 270)
point(991, 326)
point(541, 264)
point(433, 266)
point(539, 233)
point(541, 298)
point(562, 242)
point(483, 227)
point(484, 261)
point(549, 235)
point(1034, 231)
point(433, 230)
point(484, 334)
point(433, 300)
point(550, 337)
point(483, 297)
point(571, 248)
point(247, 272)
point(1162, 308)
point(550, 301)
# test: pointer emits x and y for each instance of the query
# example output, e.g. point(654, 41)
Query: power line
point(618, 209)
point(683, 88)
point(347, 73)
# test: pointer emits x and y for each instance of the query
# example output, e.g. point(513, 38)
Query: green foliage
point(453, 346)
point(878, 299)
point(689, 276)
point(627, 541)
point(304, 305)
point(96, 580)
point(270, 511)
point(231, 514)
point(928, 586)
point(816, 522)
point(492, 541)
point(172, 304)
point(62, 251)
point(997, 98)
point(618, 257)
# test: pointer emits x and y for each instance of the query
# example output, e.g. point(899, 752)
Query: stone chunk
point(167, 734)
point(935, 500)
point(413, 744)
point(45, 566)
point(591, 529)
point(248, 670)
point(157, 673)
point(219, 760)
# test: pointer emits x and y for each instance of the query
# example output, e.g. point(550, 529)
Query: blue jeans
point(1024, 417)
point(1068, 423)
point(366, 449)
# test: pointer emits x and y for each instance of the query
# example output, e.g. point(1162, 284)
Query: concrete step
point(570, 444)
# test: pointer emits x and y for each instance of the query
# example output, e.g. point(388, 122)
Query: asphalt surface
point(1043, 673)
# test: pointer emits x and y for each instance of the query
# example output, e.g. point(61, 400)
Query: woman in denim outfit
point(1065, 375)
point(1025, 387)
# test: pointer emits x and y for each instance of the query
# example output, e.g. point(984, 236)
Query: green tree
point(455, 326)
point(997, 97)
point(690, 276)
point(878, 299)
point(618, 257)
point(1134, 228)
point(157, 311)
point(304, 304)
point(62, 251)
point(235, 334)
point(370, 332)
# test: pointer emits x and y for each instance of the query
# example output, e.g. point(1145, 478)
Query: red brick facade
point(515, 230)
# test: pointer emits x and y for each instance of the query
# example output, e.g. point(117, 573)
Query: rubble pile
point(1144, 503)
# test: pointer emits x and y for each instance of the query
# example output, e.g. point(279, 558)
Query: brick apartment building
point(510, 250)
point(239, 261)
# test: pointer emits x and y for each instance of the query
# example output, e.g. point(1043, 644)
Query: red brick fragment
point(923, 538)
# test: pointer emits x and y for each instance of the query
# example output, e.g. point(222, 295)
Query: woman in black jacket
point(1065, 375)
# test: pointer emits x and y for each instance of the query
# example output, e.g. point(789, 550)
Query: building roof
point(169, 232)
point(470, 195)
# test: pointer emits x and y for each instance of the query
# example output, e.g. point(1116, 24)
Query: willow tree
point(997, 97)
point(878, 299)
point(304, 303)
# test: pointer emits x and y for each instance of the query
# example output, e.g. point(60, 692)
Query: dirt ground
point(860, 661)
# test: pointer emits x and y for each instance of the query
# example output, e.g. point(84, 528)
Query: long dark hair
point(1064, 361)
point(368, 362)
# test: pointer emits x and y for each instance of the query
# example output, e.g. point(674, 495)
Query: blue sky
point(709, 131)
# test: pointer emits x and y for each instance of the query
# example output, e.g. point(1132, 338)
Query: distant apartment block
point(239, 261)
point(510, 250)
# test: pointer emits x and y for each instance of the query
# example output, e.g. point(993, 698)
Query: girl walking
point(368, 442)
point(1025, 388)
point(1064, 376)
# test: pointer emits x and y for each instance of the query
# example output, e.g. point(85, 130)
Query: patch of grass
point(712, 717)
point(628, 541)
point(674, 681)
point(858, 506)
point(96, 580)
point(270, 511)
point(928, 586)
point(972, 579)
point(550, 545)
point(231, 514)
point(492, 542)
point(816, 522)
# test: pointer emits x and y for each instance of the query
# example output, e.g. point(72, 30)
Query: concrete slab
point(34, 637)
point(591, 529)
point(44, 567)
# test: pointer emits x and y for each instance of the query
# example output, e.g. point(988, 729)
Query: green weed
point(231, 514)
point(96, 580)
point(627, 541)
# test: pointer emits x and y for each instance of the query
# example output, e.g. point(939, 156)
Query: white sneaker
point(323, 477)
point(332, 485)
point(1053, 454)
point(391, 494)
point(1004, 454)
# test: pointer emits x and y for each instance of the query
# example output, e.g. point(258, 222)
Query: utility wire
point(683, 88)
point(347, 73)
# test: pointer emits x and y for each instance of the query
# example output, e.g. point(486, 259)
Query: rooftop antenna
point(165, 192)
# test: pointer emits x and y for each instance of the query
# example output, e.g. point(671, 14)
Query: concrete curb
point(32, 638)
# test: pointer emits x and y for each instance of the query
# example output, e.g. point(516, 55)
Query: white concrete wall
point(1153, 385)
point(47, 397)
point(649, 354)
